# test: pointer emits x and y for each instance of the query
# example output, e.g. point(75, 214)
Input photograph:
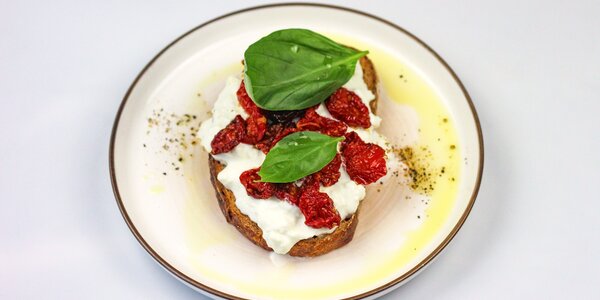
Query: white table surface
point(531, 67)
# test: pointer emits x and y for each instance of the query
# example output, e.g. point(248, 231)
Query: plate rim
point(378, 290)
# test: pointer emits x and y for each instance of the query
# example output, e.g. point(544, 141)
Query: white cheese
point(281, 222)
point(346, 194)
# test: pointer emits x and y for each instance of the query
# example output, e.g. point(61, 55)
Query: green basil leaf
point(298, 155)
point(294, 69)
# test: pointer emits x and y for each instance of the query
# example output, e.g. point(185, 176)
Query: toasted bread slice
point(314, 246)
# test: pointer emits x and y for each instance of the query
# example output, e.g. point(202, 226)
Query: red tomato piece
point(364, 162)
point(229, 137)
point(275, 132)
point(330, 174)
point(317, 207)
point(256, 126)
point(287, 191)
point(254, 188)
point(315, 122)
point(346, 106)
point(246, 102)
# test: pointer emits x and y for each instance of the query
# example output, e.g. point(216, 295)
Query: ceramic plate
point(162, 185)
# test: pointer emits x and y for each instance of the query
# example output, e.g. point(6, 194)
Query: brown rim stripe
point(218, 293)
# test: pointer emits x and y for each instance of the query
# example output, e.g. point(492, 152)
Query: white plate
point(170, 206)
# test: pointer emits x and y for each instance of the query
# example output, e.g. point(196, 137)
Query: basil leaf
point(293, 69)
point(298, 155)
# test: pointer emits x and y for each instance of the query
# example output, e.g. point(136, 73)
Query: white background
point(531, 67)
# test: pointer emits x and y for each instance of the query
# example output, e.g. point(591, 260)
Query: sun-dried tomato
point(315, 122)
point(246, 102)
point(266, 143)
point(275, 132)
point(330, 174)
point(365, 162)
point(256, 126)
point(255, 188)
point(256, 123)
point(287, 191)
point(229, 137)
point(317, 207)
point(282, 134)
point(346, 106)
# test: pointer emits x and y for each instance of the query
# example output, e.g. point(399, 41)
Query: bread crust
point(310, 247)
